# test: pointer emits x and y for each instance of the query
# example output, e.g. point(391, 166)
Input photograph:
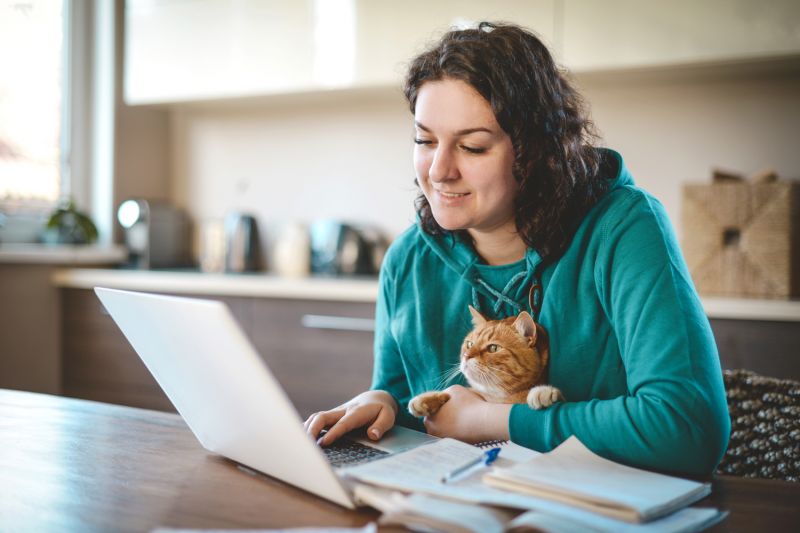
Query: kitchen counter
point(342, 289)
point(61, 254)
point(254, 284)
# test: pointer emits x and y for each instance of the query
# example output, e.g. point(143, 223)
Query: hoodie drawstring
point(501, 298)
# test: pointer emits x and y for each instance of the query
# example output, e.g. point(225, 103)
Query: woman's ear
point(477, 318)
point(526, 327)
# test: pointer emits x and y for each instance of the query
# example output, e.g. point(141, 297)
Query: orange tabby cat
point(504, 361)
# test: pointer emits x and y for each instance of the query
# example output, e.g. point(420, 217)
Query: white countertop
point(255, 284)
point(62, 254)
point(341, 289)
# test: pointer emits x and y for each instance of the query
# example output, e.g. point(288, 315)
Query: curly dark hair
point(555, 163)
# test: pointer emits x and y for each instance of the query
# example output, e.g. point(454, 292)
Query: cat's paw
point(427, 403)
point(544, 396)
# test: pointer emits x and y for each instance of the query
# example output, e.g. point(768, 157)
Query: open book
point(385, 484)
point(572, 474)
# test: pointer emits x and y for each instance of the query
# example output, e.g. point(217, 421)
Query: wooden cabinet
point(767, 347)
point(97, 361)
point(218, 49)
point(616, 34)
point(321, 352)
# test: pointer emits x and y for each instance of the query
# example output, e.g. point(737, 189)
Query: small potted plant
point(67, 225)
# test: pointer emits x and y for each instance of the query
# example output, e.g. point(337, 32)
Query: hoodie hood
point(506, 290)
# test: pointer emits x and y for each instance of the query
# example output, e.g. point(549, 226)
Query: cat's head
point(504, 356)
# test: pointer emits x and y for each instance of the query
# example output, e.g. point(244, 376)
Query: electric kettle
point(242, 247)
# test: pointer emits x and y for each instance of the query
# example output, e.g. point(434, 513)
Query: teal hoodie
point(630, 345)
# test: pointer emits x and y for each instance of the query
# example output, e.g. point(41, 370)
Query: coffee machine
point(343, 249)
point(157, 234)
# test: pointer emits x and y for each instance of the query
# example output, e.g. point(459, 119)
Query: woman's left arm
point(674, 415)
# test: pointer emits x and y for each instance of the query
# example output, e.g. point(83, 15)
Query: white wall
point(350, 157)
point(674, 131)
point(346, 157)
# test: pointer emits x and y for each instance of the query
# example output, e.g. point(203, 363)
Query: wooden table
point(75, 465)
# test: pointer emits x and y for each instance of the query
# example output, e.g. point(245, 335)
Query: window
point(32, 111)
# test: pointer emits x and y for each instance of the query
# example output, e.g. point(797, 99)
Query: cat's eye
point(470, 344)
point(492, 348)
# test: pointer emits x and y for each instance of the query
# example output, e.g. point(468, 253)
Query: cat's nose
point(467, 356)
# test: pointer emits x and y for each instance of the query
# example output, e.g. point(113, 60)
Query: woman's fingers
point(345, 424)
point(382, 424)
point(354, 418)
point(319, 421)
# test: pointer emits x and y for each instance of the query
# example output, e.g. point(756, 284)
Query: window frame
point(89, 98)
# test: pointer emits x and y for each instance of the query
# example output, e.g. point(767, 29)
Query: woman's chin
point(447, 223)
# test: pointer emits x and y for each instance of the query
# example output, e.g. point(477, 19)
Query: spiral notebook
point(509, 450)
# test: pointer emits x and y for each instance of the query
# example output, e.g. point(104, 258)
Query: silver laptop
point(225, 392)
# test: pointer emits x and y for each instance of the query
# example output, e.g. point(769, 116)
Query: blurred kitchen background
point(259, 152)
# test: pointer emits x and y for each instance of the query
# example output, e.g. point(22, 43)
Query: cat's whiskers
point(501, 371)
point(447, 376)
point(486, 377)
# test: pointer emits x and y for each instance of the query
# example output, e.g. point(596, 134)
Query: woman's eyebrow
point(466, 131)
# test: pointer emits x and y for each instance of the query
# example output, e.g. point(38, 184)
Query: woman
point(518, 211)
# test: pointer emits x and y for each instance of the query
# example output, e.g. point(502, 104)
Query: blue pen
point(487, 458)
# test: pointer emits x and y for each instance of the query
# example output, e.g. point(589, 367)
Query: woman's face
point(463, 159)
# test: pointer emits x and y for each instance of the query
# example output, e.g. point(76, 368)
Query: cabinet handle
point(344, 323)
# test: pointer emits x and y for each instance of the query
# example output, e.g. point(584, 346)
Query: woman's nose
point(443, 166)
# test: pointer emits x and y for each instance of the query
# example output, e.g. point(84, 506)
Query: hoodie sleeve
point(388, 373)
point(674, 415)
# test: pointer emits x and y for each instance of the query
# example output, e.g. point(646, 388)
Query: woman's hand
point(469, 418)
point(374, 408)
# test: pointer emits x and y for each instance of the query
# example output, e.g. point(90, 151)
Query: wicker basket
point(742, 238)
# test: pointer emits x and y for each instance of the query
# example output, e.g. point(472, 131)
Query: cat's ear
point(477, 318)
point(526, 326)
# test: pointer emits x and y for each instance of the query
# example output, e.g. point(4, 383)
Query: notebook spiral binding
point(490, 444)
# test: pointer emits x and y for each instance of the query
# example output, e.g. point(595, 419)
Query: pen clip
point(491, 455)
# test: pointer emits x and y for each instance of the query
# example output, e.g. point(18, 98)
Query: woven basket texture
point(743, 240)
point(765, 427)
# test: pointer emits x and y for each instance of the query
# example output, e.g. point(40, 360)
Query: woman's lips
point(451, 198)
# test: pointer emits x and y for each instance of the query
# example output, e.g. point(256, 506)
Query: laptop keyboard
point(348, 453)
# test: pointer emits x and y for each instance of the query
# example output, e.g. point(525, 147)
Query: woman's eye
point(469, 344)
point(493, 348)
point(422, 141)
point(472, 150)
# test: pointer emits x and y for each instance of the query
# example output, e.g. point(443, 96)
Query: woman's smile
point(451, 199)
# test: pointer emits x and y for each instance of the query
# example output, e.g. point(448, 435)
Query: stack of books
point(567, 489)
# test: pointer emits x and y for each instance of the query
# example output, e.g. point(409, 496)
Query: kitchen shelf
point(62, 254)
point(342, 289)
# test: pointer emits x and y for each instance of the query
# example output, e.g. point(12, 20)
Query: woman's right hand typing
point(375, 408)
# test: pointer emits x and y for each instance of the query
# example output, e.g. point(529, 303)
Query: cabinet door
point(218, 49)
point(389, 34)
point(321, 352)
point(632, 33)
point(99, 364)
point(766, 347)
point(196, 49)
